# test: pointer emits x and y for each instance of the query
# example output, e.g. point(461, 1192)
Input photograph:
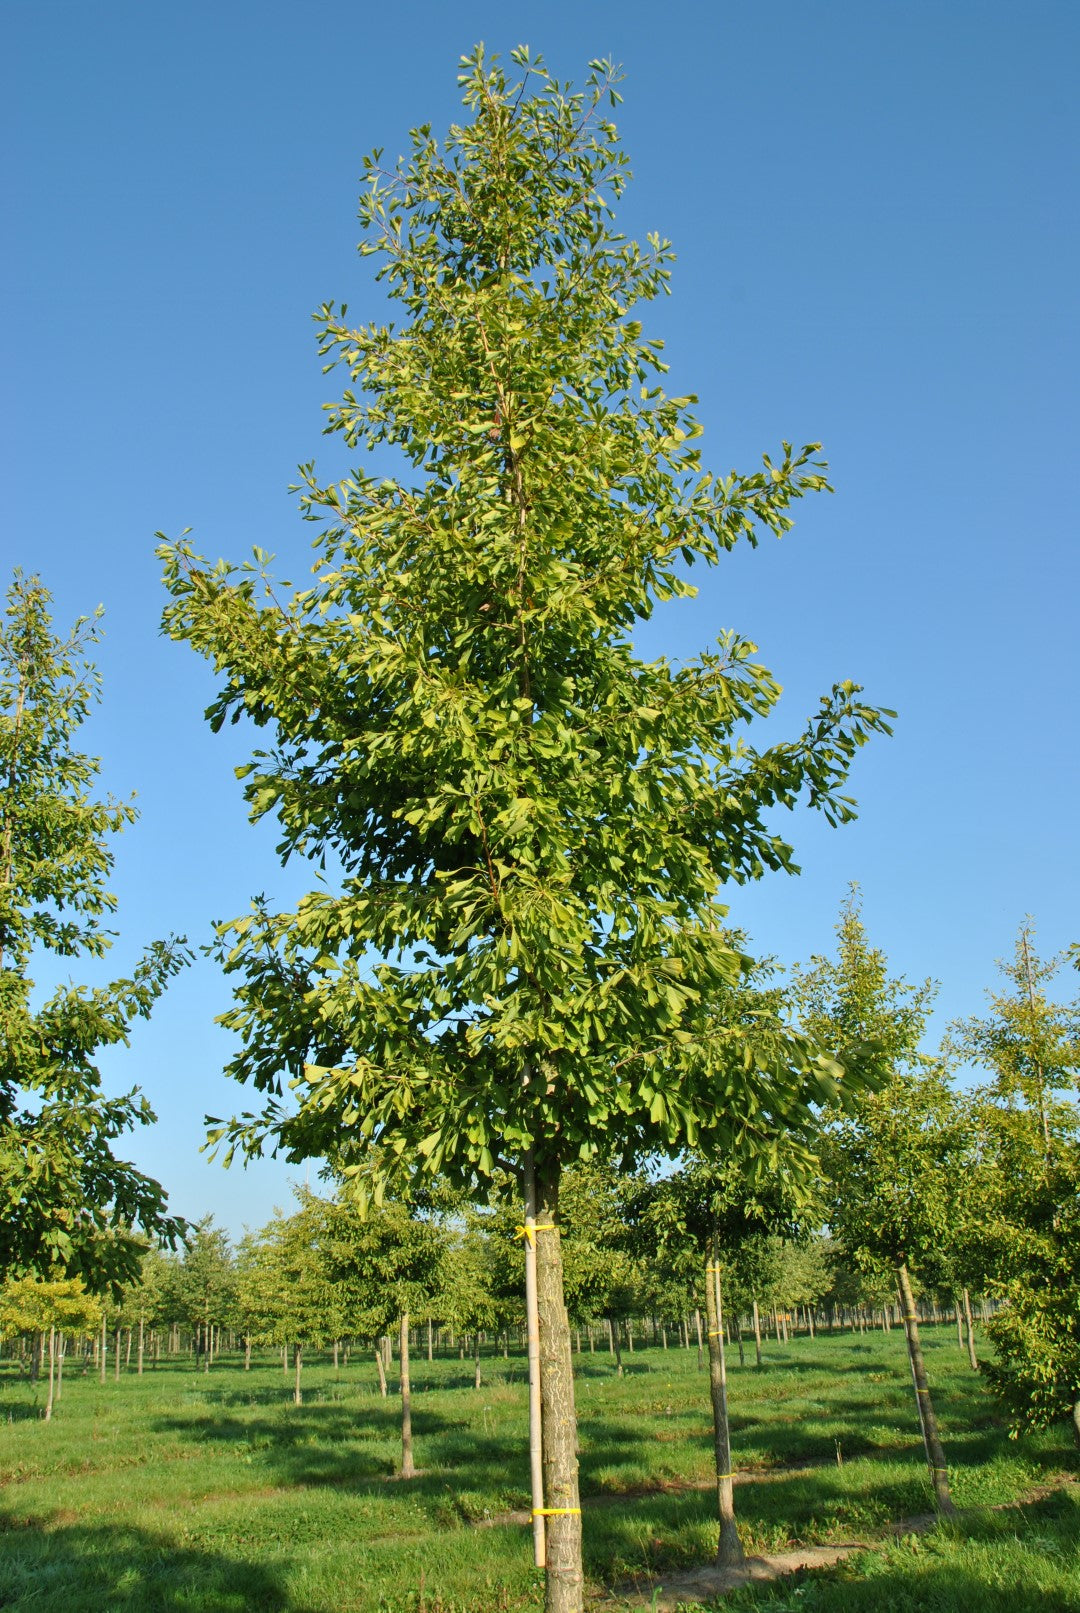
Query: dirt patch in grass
point(667, 1592)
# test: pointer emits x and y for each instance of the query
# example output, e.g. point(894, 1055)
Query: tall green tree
point(895, 1162)
point(1027, 1249)
point(68, 1205)
point(533, 823)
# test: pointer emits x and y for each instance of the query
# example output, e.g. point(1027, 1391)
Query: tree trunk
point(563, 1582)
point(337, 1355)
point(298, 1356)
point(430, 1354)
point(247, 1353)
point(972, 1357)
point(476, 1360)
point(61, 1351)
point(757, 1332)
point(408, 1471)
point(532, 1331)
point(142, 1346)
point(102, 1350)
point(728, 1547)
point(935, 1455)
point(116, 1356)
point(381, 1364)
point(1076, 1421)
point(52, 1375)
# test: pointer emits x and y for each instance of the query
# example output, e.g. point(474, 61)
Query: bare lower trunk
point(298, 1356)
point(757, 1332)
point(935, 1455)
point(381, 1364)
point(563, 1582)
point(532, 1334)
point(60, 1353)
point(247, 1353)
point(476, 1361)
point(430, 1351)
point(1076, 1420)
point(728, 1548)
point(102, 1351)
point(972, 1357)
point(52, 1374)
point(408, 1471)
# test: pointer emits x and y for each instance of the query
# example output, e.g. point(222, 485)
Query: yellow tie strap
point(716, 1335)
point(555, 1512)
point(529, 1233)
point(721, 1476)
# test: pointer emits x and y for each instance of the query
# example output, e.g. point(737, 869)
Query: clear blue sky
point(875, 209)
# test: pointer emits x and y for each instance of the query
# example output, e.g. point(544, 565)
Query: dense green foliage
point(532, 822)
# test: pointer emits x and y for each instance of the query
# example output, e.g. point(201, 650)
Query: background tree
point(291, 1296)
point(895, 1162)
point(61, 1186)
point(705, 1215)
point(389, 1262)
point(533, 823)
point(1025, 1248)
point(205, 1286)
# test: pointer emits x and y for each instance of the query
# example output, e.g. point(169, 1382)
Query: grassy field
point(214, 1493)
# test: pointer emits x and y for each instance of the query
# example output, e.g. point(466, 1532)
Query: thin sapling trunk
point(935, 1455)
point(728, 1546)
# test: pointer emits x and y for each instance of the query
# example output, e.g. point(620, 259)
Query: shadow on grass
point(91, 1568)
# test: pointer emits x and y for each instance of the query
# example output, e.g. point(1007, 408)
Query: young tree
point(532, 822)
point(895, 1162)
point(67, 1204)
point(386, 1264)
point(287, 1285)
point(707, 1217)
point(1027, 1248)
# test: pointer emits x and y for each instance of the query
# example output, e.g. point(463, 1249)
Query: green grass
point(214, 1493)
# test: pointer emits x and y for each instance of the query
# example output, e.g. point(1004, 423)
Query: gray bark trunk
point(563, 1580)
point(408, 1471)
point(728, 1546)
point(935, 1455)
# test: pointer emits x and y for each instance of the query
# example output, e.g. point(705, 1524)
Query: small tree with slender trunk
point(895, 1164)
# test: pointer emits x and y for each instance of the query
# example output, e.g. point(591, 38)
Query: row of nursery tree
point(927, 1193)
point(517, 960)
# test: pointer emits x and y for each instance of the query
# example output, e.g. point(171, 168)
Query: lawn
point(215, 1493)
